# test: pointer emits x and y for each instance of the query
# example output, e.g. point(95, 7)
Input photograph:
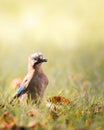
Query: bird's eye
point(35, 58)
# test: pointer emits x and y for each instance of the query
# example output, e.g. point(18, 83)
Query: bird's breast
point(38, 84)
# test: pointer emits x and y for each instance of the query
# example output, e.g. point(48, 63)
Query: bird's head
point(37, 59)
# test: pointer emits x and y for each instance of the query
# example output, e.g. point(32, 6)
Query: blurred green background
point(69, 33)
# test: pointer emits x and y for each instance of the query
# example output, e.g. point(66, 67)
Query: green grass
point(76, 74)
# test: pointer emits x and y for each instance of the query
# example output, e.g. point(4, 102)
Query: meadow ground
point(74, 99)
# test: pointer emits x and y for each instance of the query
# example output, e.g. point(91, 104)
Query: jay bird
point(35, 82)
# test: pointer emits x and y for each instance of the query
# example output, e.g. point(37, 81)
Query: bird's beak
point(44, 60)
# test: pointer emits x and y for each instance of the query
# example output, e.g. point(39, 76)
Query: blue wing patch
point(20, 89)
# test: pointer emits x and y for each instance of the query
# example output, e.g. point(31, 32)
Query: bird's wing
point(23, 87)
point(20, 90)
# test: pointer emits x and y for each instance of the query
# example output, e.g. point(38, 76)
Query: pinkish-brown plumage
point(35, 82)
